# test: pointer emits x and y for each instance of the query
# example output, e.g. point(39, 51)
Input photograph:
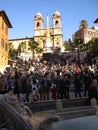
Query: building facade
point(25, 54)
point(86, 34)
point(4, 26)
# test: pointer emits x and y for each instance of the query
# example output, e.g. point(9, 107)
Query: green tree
point(19, 49)
point(69, 46)
point(12, 52)
point(22, 46)
point(39, 50)
point(57, 50)
point(33, 46)
point(92, 46)
point(79, 45)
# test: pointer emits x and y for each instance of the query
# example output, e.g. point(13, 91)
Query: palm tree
point(39, 50)
point(33, 46)
point(12, 52)
point(79, 45)
point(22, 46)
point(83, 24)
point(19, 49)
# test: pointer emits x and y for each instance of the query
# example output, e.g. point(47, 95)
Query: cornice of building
point(6, 19)
point(27, 38)
point(93, 29)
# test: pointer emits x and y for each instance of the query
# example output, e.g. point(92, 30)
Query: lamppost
point(78, 42)
point(78, 55)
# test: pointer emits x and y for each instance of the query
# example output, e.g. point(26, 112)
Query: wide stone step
point(75, 112)
point(3, 129)
point(52, 104)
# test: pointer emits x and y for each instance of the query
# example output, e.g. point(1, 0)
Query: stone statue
point(16, 116)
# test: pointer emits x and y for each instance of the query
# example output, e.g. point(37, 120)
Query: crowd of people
point(46, 81)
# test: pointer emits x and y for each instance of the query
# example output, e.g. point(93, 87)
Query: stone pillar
point(93, 102)
point(59, 105)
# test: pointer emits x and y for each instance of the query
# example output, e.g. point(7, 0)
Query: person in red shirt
point(54, 92)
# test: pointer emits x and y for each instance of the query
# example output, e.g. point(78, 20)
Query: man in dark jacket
point(67, 86)
point(46, 87)
point(77, 85)
point(87, 83)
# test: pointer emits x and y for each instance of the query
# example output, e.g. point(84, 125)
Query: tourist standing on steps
point(46, 87)
point(9, 83)
point(93, 91)
point(16, 87)
point(87, 83)
point(35, 95)
point(77, 85)
point(26, 87)
point(61, 87)
point(67, 85)
point(58, 82)
point(54, 91)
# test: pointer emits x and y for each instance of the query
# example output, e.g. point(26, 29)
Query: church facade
point(48, 37)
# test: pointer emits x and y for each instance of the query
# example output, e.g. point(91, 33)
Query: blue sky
point(21, 14)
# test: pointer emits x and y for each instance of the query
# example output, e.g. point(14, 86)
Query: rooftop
point(6, 19)
point(96, 21)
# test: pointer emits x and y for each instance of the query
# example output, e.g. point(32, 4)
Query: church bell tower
point(38, 24)
point(57, 29)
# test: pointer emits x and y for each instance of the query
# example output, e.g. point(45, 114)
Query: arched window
point(38, 24)
point(57, 43)
point(6, 46)
point(2, 42)
point(56, 22)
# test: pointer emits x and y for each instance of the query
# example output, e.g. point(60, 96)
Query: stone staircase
point(52, 104)
point(70, 108)
point(76, 112)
